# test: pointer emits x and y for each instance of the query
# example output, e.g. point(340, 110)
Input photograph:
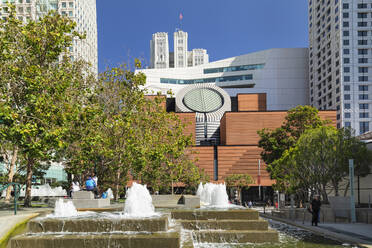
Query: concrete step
point(224, 224)
point(98, 225)
point(156, 240)
point(235, 236)
point(246, 214)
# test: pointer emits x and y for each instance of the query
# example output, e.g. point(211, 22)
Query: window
point(71, 4)
point(346, 87)
point(338, 107)
point(336, 10)
point(345, 33)
point(338, 116)
point(337, 89)
point(363, 115)
point(347, 106)
point(363, 96)
point(363, 127)
point(345, 24)
point(363, 106)
point(346, 60)
point(346, 69)
point(362, 24)
point(64, 5)
point(346, 42)
point(362, 51)
point(362, 15)
point(345, 6)
point(337, 98)
point(70, 13)
point(363, 60)
point(363, 87)
point(345, 15)
point(362, 33)
point(346, 78)
point(346, 51)
point(362, 42)
point(363, 78)
point(362, 5)
point(363, 69)
point(347, 97)
point(347, 124)
point(234, 68)
point(347, 115)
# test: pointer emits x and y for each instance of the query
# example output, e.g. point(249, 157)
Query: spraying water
point(213, 195)
point(138, 202)
point(64, 209)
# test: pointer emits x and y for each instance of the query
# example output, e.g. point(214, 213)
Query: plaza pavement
point(355, 233)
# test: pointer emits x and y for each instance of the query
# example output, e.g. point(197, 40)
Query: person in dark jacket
point(315, 209)
point(90, 185)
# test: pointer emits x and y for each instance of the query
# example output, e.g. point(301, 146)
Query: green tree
point(37, 82)
point(276, 142)
point(318, 160)
point(239, 181)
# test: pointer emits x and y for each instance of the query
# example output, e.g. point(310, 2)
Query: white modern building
point(280, 73)
point(83, 12)
point(340, 60)
point(161, 57)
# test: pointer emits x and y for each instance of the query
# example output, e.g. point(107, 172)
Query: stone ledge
point(224, 224)
point(235, 236)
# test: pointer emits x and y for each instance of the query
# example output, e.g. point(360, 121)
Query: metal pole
point(259, 179)
point(352, 202)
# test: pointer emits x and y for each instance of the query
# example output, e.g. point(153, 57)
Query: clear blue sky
point(226, 28)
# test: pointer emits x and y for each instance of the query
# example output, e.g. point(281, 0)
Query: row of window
point(363, 33)
point(360, 78)
point(361, 87)
point(361, 97)
point(70, 4)
point(360, 6)
point(206, 80)
point(234, 68)
point(19, 1)
point(361, 115)
point(361, 106)
point(360, 60)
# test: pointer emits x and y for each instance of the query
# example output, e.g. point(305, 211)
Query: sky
point(226, 28)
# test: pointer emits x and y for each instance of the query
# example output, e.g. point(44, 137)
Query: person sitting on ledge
point(90, 185)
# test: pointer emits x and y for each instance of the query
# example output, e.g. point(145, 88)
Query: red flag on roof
point(181, 16)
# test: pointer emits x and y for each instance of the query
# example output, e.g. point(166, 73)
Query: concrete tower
point(159, 49)
point(340, 60)
point(180, 49)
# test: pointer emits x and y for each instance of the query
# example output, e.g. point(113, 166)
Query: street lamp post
point(352, 201)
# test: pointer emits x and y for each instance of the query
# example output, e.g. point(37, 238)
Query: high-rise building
point(340, 60)
point(198, 57)
point(180, 49)
point(161, 57)
point(83, 12)
point(159, 49)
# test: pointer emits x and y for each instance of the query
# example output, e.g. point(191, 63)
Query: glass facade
point(206, 80)
point(234, 68)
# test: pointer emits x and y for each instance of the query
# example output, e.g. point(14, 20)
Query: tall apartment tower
point(340, 60)
point(83, 12)
point(159, 49)
point(180, 49)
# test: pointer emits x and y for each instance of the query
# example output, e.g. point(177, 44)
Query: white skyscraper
point(159, 49)
point(340, 60)
point(180, 49)
point(83, 12)
point(161, 57)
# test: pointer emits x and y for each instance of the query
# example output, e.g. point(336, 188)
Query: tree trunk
point(335, 185)
point(11, 173)
point(27, 202)
point(116, 197)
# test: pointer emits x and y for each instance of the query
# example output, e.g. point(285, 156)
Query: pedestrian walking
point(315, 210)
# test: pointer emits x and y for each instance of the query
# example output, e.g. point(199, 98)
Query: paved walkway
point(357, 233)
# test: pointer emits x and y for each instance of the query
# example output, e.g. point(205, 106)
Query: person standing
point(315, 209)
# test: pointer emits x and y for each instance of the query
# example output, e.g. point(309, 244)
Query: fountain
point(138, 202)
point(213, 195)
point(64, 209)
point(137, 226)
